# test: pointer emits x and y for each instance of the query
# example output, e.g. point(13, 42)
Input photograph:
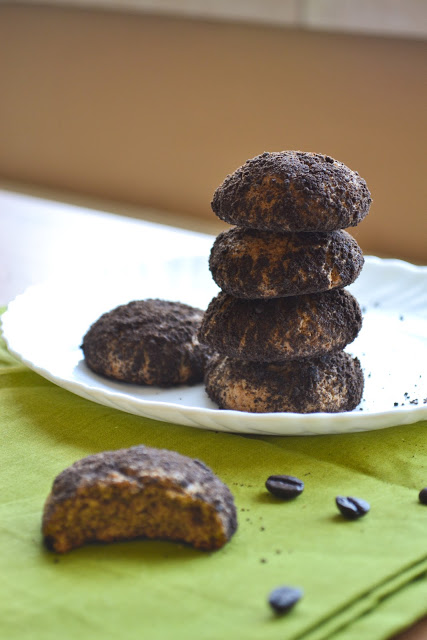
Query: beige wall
point(156, 111)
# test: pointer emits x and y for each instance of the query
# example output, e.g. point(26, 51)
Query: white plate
point(44, 328)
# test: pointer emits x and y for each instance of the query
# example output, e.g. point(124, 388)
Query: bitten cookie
point(282, 328)
point(138, 492)
point(329, 384)
point(248, 263)
point(292, 191)
point(152, 342)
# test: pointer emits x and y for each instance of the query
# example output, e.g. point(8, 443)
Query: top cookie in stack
point(292, 191)
point(282, 320)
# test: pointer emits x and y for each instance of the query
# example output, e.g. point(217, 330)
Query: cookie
point(330, 384)
point(292, 191)
point(282, 328)
point(138, 492)
point(151, 342)
point(248, 263)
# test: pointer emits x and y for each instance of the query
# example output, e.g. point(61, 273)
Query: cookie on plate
point(292, 191)
point(281, 328)
point(138, 492)
point(330, 384)
point(249, 263)
point(151, 342)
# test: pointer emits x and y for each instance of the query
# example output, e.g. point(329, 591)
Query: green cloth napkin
point(361, 579)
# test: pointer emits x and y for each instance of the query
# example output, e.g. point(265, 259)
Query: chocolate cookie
point(293, 191)
point(151, 342)
point(138, 492)
point(329, 384)
point(282, 328)
point(248, 263)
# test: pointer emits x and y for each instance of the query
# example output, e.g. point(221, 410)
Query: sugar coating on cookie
point(151, 342)
point(330, 384)
point(138, 492)
point(281, 328)
point(292, 191)
point(249, 263)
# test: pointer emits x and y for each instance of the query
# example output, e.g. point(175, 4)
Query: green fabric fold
point(362, 579)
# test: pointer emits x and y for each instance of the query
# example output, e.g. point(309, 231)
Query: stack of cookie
point(283, 318)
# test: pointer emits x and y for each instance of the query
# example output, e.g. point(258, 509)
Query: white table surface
point(40, 239)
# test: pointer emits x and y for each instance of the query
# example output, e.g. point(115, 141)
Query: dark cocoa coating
point(281, 328)
point(249, 263)
point(329, 384)
point(138, 492)
point(151, 342)
point(292, 191)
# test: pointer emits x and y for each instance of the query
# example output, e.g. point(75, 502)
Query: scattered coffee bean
point(285, 487)
point(283, 599)
point(423, 496)
point(352, 508)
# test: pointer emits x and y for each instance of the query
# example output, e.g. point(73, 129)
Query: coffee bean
point(284, 598)
point(423, 496)
point(352, 508)
point(285, 487)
